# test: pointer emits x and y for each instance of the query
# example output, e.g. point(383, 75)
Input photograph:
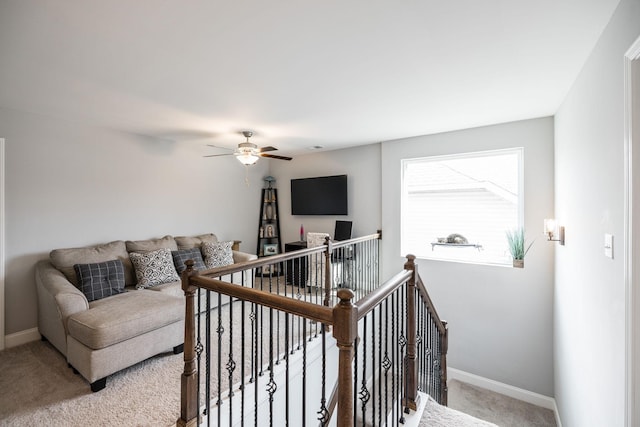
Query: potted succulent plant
point(517, 246)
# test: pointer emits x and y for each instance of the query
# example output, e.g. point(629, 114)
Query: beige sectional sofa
point(105, 312)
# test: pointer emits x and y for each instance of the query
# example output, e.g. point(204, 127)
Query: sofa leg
point(178, 349)
point(99, 385)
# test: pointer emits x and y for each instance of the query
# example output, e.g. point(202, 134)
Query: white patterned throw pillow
point(217, 254)
point(153, 268)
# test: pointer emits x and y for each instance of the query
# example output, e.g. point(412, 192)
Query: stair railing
point(389, 345)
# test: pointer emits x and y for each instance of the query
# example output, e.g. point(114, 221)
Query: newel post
point(345, 330)
point(327, 270)
point(189, 379)
point(411, 380)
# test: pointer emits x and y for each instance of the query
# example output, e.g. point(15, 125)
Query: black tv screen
point(324, 195)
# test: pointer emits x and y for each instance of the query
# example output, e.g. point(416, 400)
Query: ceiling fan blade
point(274, 157)
point(217, 146)
point(263, 149)
point(218, 155)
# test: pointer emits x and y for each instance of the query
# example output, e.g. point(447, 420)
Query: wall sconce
point(554, 232)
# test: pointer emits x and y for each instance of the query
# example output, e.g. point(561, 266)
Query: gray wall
point(71, 185)
point(590, 288)
point(362, 165)
point(500, 318)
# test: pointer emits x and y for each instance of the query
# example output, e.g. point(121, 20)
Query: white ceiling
point(297, 72)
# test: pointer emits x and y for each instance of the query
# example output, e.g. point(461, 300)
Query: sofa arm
point(243, 257)
point(57, 300)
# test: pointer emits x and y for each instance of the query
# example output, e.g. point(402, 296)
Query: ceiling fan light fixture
point(247, 153)
point(247, 158)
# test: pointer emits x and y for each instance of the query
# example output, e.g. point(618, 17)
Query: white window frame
point(519, 151)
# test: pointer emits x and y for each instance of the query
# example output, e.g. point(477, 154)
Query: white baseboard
point(22, 337)
point(557, 413)
point(506, 389)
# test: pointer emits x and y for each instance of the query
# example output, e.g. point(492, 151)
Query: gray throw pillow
point(179, 258)
point(100, 280)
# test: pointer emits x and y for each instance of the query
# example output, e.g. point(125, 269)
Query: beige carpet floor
point(497, 408)
point(37, 388)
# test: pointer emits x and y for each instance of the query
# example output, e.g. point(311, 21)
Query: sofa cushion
point(65, 259)
point(121, 317)
point(170, 288)
point(153, 268)
point(188, 242)
point(100, 280)
point(150, 245)
point(217, 254)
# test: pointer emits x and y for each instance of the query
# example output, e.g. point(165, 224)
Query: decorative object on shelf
point(269, 227)
point(517, 246)
point(554, 232)
point(270, 249)
point(455, 240)
point(301, 232)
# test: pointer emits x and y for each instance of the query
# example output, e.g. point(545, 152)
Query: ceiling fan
point(248, 153)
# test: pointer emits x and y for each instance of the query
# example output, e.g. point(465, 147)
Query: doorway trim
point(631, 236)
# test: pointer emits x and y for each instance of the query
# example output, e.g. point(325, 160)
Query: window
point(459, 207)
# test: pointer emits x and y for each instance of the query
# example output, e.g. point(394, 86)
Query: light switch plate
point(608, 245)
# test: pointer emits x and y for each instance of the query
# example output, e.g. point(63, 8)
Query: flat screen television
point(323, 195)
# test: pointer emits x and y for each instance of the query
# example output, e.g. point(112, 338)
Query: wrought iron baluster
point(364, 392)
point(220, 331)
point(207, 338)
point(403, 343)
point(199, 348)
point(373, 367)
point(286, 361)
point(323, 413)
point(231, 364)
point(261, 347)
point(386, 363)
point(395, 379)
point(254, 362)
point(242, 361)
point(304, 375)
point(271, 386)
point(379, 367)
point(355, 380)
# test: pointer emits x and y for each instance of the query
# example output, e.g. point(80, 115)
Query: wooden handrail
point(371, 300)
point(285, 304)
point(274, 259)
point(342, 243)
point(440, 324)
